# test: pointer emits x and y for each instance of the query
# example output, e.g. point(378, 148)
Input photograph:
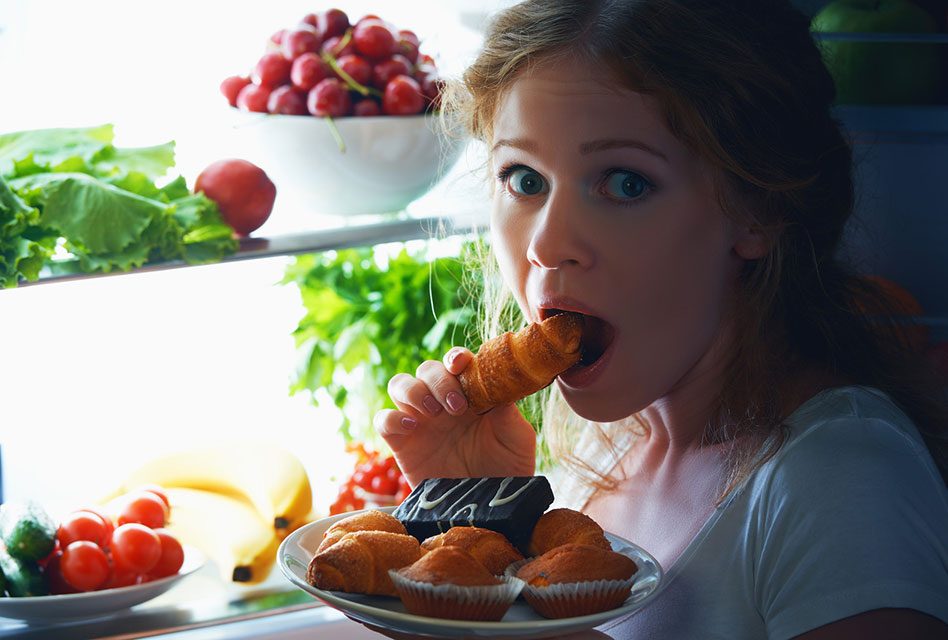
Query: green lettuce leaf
point(50, 148)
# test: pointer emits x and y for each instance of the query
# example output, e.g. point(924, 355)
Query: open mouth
point(597, 335)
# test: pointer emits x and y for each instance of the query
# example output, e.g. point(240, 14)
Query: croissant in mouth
point(515, 365)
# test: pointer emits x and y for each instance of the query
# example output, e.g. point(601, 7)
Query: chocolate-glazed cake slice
point(510, 506)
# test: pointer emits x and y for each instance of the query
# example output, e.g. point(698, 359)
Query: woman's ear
point(751, 243)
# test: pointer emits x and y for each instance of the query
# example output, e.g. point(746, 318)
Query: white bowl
point(388, 161)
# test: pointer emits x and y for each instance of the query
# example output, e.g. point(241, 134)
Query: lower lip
point(582, 377)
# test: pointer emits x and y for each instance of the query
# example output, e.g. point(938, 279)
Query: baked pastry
point(448, 582)
point(510, 506)
point(360, 561)
point(371, 520)
point(515, 365)
point(561, 526)
point(577, 580)
point(488, 547)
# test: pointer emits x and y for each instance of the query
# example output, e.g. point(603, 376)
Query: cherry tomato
point(172, 556)
point(144, 507)
point(384, 485)
point(402, 97)
point(54, 576)
point(119, 579)
point(158, 490)
point(83, 525)
point(109, 524)
point(135, 548)
point(84, 565)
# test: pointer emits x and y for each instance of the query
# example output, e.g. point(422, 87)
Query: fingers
point(390, 423)
point(444, 386)
point(433, 392)
point(457, 359)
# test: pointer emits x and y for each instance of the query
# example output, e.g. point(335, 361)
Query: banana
point(228, 530)
point(270, 478)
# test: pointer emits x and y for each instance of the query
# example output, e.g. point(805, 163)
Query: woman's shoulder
point(854, 441)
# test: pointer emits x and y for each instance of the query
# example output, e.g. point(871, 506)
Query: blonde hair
point(742, 84)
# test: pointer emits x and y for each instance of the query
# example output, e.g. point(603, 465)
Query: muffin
point(490, 548)
point(562, 526)
point(360, 562)
point(371, 520)
point(448, 582)
point(577, 580)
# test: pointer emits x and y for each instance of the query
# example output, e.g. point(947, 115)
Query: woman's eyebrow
point(603, 145)
point(517, 143)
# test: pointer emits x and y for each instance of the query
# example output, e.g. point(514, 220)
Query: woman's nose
point(559, 237)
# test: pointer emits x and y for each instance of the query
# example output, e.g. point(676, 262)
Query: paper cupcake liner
point(482, 602)
point(568, 599)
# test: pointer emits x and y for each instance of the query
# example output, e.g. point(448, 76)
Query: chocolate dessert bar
point(510, 506)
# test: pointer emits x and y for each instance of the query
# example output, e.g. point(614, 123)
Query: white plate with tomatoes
point(97, 603)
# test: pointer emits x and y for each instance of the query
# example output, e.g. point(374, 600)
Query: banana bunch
point(234, 501)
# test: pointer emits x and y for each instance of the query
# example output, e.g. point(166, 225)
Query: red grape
point(253, 97)
point(272, 70)
point(287, 101)
point(329, 98)
point(333, 22)
point(231, 86)
point(307, 70)
point(357, 67)
point(373, 38)
point(402, 97)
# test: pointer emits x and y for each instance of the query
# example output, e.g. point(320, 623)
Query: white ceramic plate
point(521, 620)
point(96, 603)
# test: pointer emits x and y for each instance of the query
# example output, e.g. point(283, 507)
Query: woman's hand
point(433, 434)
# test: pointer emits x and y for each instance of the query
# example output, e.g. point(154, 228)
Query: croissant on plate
point(515, 365)
point(372, 520)
point(360, 562)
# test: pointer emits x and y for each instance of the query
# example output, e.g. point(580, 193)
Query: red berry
point(402, 97)
point(431, 87)
point(408, 44)
point(374, 39)
point(333, 22)
point(231, 86)
point(329, 98)
point(272, 70)
point(366, 107)
point(331, 46)
point(300, 40)
point(307, 70)
point(287, 101)
point(277, 37)
point(357, 67)
point(253, 97)
point(397, 65)
point(312, 20)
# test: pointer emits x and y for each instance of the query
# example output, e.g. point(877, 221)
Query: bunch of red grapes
point(325, 66)
point(376, 481)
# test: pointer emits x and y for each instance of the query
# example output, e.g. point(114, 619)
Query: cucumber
point(24, 577)
point(27, 531)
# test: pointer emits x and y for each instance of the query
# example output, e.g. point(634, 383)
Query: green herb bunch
point(372, 313)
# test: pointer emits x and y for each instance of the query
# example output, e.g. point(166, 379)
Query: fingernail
point(456, 402)
point(409, 423)
point(453, 355)
point(433, 406)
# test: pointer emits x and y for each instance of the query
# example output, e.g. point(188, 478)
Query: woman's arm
point(881, 624)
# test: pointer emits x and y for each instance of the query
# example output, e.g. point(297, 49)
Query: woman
point(672, 170)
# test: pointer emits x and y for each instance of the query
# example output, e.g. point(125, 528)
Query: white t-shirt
point(850, 515)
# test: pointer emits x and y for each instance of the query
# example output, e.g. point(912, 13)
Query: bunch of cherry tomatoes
point(325, 66)
point(376, 481)
point(94, 552)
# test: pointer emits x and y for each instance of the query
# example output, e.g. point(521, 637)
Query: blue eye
point(525, 182)
point(626, 185)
